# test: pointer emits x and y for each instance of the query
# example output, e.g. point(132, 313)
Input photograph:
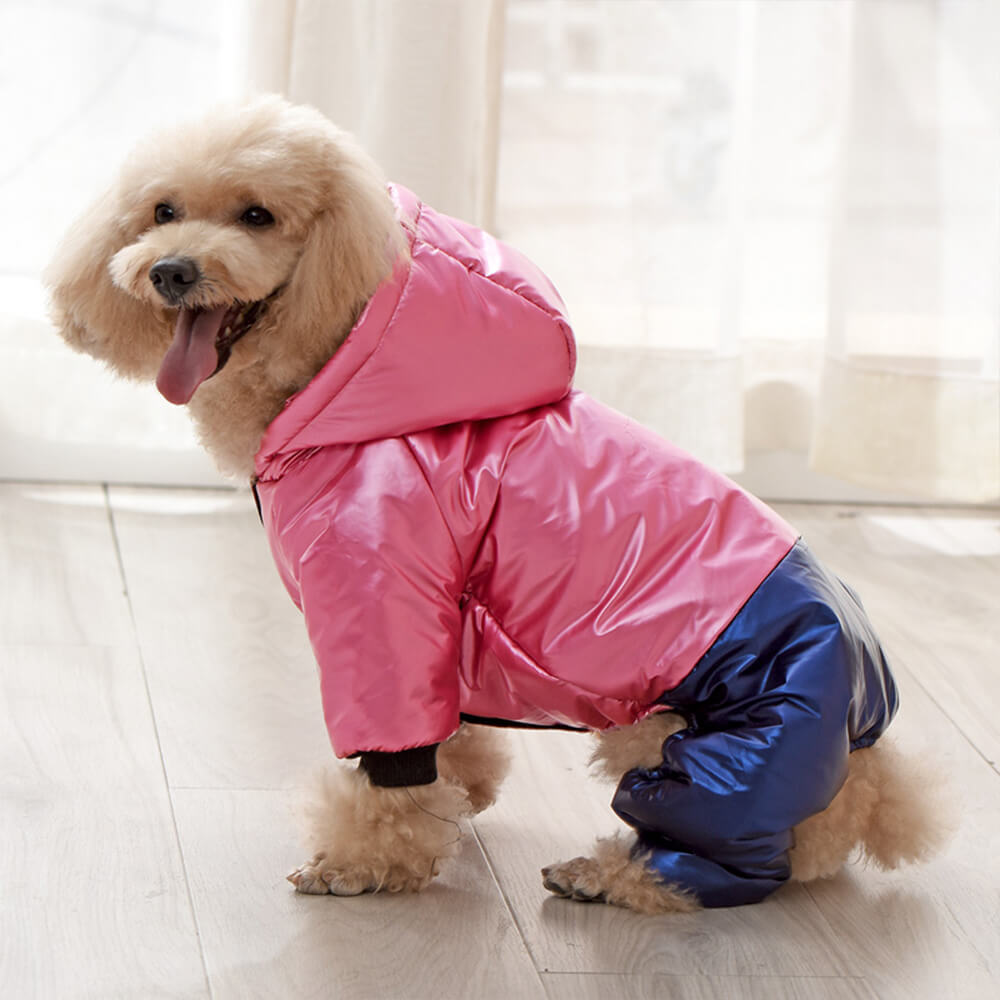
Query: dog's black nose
point(174, 277)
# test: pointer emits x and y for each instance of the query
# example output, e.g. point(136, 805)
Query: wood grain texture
point(58, 569)
point(931, 585)
point(551, 810)
point(934, 929)
point(456, 939)
point(117, 883)
point(94, 901)
point(574, 986)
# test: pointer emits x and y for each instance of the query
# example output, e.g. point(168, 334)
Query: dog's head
point(253, 237)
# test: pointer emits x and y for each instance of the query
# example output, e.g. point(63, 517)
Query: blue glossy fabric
point(795, 683)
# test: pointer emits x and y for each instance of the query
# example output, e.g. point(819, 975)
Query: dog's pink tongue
point(191, 357)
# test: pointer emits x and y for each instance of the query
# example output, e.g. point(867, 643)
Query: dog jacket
point(468, 537)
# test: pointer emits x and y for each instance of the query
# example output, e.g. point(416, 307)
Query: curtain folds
point(418, 83)
point(776, 226)
point(909, 396)
point(924, 434)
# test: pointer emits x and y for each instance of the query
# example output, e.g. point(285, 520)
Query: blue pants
point(795, 683)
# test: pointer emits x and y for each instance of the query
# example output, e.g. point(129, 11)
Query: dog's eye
point(257, 216)
point(164, 213)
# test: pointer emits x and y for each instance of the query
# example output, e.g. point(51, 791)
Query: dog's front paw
point(324, 876)
point(319, 879)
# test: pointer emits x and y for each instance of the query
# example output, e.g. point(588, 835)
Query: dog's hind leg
point(914, 817)
point(824, 841)
point(476, 759)
point(885, 808)
point(614, 873)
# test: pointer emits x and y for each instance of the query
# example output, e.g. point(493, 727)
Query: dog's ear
point(351, 246)
point(89, 311)
point(325, 279)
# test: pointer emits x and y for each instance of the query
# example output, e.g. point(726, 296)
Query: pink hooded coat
point(465, 535)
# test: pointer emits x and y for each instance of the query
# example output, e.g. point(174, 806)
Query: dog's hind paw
point(578, 879)
point(614, 876)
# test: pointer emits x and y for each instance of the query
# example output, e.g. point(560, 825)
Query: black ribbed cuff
point(404, 767)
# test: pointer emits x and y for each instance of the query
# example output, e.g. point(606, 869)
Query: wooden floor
point(159, 706)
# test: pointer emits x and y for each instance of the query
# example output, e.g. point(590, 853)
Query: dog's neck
point(231, 418)
point(232, 411)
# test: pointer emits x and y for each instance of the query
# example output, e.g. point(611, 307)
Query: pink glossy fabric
point(464, 534)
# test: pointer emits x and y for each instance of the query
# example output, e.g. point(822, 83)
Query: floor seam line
point(115, 541)
point(507, 903)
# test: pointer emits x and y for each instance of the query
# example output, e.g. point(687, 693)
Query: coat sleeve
point(371, 562)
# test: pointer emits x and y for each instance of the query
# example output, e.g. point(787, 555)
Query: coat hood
point(466, 329)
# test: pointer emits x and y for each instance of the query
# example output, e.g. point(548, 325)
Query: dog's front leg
point(370, 839)
point(476, 758)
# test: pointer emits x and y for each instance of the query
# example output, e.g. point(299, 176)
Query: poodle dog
point(472, 541)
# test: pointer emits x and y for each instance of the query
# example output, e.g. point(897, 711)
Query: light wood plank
point(577, 986)
point(932, 575)
point(862, 931)
point(930, 930)
point(552, 810)
point(94, 900)
point(226, 652)
point(456, 939)
point(60, 579)
point(944, 916)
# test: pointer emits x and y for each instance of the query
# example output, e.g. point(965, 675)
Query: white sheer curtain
point(909, 393)
point(776, 225)
point(418, 82)
point(80, 83)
